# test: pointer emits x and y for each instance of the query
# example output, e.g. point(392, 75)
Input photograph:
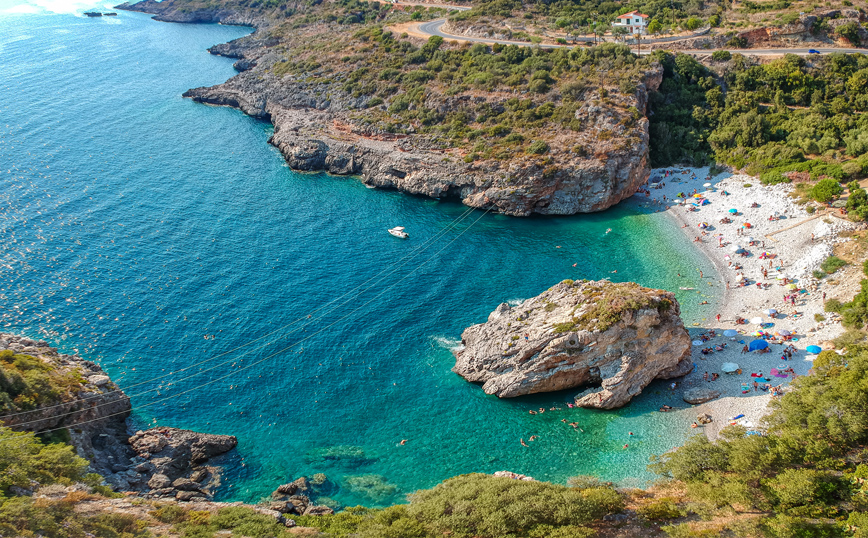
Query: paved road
point(433, 28)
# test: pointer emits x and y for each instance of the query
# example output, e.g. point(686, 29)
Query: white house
point(634, 22)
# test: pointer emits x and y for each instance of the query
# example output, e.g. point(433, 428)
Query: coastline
point(789, 241)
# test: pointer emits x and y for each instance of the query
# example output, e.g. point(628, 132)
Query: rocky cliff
point(313, 131)
point(322, 123)
point(160, 462)
point(615, 338)
point(91, 401)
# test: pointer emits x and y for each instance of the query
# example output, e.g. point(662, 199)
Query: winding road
point(432, 28)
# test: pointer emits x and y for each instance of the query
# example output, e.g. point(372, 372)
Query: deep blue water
point(149, 233)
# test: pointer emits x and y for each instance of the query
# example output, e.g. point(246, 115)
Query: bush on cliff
point(26, 382)
point(805, 474)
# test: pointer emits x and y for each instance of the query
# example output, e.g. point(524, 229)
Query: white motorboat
point(398, 231)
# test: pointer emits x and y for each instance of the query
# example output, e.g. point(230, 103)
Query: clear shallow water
point(150, 233)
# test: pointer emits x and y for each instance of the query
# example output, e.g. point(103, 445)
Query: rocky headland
point(160, 463)
point(322, 124)
point(614, 337)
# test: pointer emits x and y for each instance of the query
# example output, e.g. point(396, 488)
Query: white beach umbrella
point(735, 248)
point(728, 367)
point(757, 320)
point(770, 311)
point(706, 184)
point(697, 342)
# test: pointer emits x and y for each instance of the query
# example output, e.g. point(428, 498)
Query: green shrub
point(819, 275)
point(833, 305)
point(819, 317)
point(773, 178)
point(832, 264)
point(721, 56)
point(826, 190)
point(664, 508)
point(865, 267)
point(537, 147)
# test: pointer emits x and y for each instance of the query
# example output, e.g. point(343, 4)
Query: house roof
point(632, 14)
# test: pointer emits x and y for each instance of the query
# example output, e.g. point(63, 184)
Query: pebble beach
point(762, 263)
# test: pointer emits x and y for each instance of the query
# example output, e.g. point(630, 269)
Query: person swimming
point(608, 230)
point(522, 442)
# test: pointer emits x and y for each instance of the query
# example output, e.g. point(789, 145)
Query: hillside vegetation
point(788, 115)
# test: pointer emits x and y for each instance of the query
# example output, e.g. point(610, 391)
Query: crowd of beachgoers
point(769, 326)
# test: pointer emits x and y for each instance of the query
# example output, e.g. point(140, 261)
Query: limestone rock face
point(700, 395)
point(316, 127)
point(615, 337)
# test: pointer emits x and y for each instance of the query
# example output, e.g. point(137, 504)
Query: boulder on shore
point(700, 395)
point(616, 337)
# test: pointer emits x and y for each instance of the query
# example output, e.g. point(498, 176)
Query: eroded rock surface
point(617, 338)
point(171, 462)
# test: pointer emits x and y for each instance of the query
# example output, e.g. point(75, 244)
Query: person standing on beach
point(718, 318)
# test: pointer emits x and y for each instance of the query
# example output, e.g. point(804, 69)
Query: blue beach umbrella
point(730, 332)
point(758, 344)
point(814, 349)
point(733, 211)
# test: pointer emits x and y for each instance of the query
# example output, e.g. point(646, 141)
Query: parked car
point(812, 51)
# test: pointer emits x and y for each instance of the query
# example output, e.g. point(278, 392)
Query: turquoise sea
point(150, 234)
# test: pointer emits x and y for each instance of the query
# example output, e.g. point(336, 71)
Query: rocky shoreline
point(159, 463)
point(315, 129)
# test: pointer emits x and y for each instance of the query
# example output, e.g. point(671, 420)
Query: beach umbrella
point(697, 342)
point(784, 332)
point(770, 312)
point(758, 333)
point(735, 248)
point(728, 367)
point(733, 211)
point(697, 195)
point(730, 332)
point(726, 257)
point(757, 345)
point(757, 320)
point(739, 278)
point(704, 201)
point(703, 225)
point(792, 286)
point(706, 184)
point(747, 225)
point(814, 349)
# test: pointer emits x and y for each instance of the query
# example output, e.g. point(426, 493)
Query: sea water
point(225, 293)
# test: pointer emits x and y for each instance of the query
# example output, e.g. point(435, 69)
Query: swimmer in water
point(522, 442)
point(533, 438)
point(542, 409)
point(615, 271)
point(532, 412)
point(403, 442)
point(608, 230)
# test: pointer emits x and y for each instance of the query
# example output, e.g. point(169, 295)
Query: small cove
point(149, 233)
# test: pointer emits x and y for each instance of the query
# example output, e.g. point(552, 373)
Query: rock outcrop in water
point(615, 337)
